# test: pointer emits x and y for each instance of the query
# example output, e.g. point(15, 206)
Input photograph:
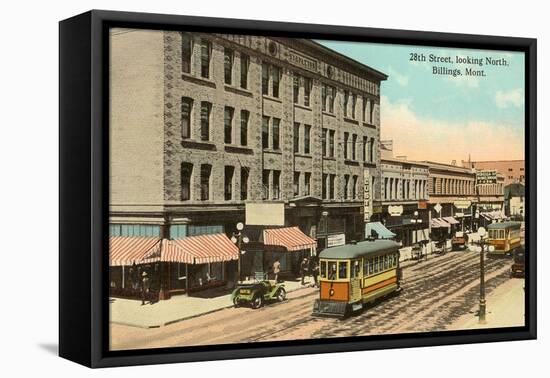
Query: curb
point(197, 315)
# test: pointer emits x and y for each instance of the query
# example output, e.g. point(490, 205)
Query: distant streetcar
point(505, 237)
point(354, 275)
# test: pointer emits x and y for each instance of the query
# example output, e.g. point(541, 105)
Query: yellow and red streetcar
point(354, 275)
point(505, 237)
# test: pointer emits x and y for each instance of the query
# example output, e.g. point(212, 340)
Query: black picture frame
point(83, 196)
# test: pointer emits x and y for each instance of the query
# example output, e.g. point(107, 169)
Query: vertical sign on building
point(367, 196)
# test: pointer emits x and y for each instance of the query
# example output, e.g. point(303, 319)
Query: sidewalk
point(131, 312)
point(505, 308)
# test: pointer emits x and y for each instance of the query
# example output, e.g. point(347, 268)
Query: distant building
point(514, 200)
point(512, 170)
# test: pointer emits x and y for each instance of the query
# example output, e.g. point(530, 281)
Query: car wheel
point(257, 301)
point(281, 295)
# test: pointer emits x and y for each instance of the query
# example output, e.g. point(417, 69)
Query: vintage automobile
point(256, 293)
point(518, 267)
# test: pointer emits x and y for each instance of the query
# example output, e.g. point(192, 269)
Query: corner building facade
point(228, 119)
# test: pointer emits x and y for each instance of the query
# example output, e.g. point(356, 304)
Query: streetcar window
point(343, 270)
point(355, 268)
point(371, 266)
point(332, 270)
point(376, 264)
point(501, 234)
point(386, 262)
point(365, 267)
point(323, 269)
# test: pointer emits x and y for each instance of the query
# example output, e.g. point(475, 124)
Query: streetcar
point(504, 237)
point(354, 275)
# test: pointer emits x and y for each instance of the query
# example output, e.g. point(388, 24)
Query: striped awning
point(126, 250)
point(201, 249)
point(439, 223)
point(450, 220)
point(290, 237)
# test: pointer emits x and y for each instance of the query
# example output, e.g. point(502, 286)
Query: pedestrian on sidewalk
point(314, 269)
point(304, 269)
point(145, 285)
point(276, 269)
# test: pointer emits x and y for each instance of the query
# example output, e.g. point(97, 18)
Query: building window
point(353, 104)
point(206, 109)
point(186, 52)
point(346, 138)
point(331, 143)
point(324, 97)
point(325, 184)
point(328, 94)
point(365, 147)
point(186, 111)
point(332, 180)
point(206, 169)
point(244, 183)
point(245, 63)
point(371, 113)
point(354, 188)
point(386, 188)
point(186, 171)
point(265, 184)
point(245, 115)
point(296, 88)
point(228, 124)
point(371, 150)
point(307, 90)
point(276, 133)
point(206, 50)
point(275, 77)
point(228, 183)
point(353, 146)
point(276, 184)
point(324, 141)
point(346, 100)
point(346, 186)
point(307, 183)
point(331, 97)
point(228, 56)
point(365, 109)
point(265, 79)
point(296, 184)
point(307, 134)
point(296, 137)
point(265, 132)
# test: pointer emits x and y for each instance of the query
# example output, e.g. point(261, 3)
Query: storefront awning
point(201, 249)
point(126, 250)
point(451, 220)
point(439, 223)
point(380, 229)
point(290, 237)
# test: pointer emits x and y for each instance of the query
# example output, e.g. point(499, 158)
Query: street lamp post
point(325, 217)
point(238, 238)
point(482, 243)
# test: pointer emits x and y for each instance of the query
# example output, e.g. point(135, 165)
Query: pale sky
point(441, 117)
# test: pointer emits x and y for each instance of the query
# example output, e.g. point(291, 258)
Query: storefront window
point(342, 270)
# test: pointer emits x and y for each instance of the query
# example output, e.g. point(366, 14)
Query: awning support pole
point(123, 276)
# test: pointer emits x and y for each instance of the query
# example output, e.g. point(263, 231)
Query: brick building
point(201, 124)
point(512, 170)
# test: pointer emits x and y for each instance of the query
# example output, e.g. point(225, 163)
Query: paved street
point(436, 294)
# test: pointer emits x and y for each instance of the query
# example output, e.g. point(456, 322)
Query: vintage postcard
point(266, 189)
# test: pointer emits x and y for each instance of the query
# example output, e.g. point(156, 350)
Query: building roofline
point(347, 60)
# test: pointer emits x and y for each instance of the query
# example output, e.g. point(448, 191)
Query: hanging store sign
point(486, 177)
point(395, 211)
point(462, 204)
point(367, 195)
point(438, 207)
point(422, 205)
point(336, 240)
